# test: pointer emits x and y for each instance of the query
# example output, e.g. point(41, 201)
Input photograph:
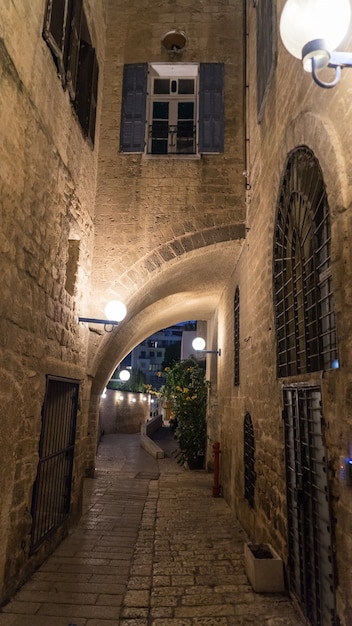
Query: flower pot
point(264, 568)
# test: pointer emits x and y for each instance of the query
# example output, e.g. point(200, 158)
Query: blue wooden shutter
point(211, 107)
point(133, 114)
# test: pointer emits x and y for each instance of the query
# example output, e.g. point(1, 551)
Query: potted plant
point(186, 383)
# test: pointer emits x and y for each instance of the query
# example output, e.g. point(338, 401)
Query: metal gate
point(311, 574)
point(52, 487)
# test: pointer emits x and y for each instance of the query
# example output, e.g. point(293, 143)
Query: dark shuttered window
point(67, 34)
point(266, 49)
point(211, 107)
point(54, 30)
point(73, 46)
point(134, 99)
point(134, 113)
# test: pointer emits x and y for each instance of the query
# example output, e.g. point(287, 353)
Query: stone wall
point(123, 412)
point(47, 190)
point(296, 112)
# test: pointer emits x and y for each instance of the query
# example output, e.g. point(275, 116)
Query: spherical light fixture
point(115, 310)
point(198, 344)
point(124, 375)
point(311, 30)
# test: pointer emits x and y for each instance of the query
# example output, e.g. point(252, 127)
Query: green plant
point(187, 386)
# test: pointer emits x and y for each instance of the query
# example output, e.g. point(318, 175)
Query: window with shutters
point(182, 113)
point(266, 49)
point(67, 35)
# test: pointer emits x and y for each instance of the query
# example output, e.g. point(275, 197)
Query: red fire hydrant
point(216, 485)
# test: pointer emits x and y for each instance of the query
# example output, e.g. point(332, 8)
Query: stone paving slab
point(153, 548)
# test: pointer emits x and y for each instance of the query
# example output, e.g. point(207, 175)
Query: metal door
point(52, 487)
point(311, 575)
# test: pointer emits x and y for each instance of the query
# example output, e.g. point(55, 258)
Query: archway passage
point(186, 288)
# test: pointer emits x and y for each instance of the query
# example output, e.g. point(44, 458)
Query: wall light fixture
point(115, 312)
point(198, 344)
point(311, 30)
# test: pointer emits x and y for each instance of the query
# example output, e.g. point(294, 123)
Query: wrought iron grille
point(52, 487)
point(236, 337)
point(249, 460)
point(304, 303)
point(179, 138)
point(311, 565)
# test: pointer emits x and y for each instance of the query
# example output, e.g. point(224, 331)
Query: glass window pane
point(160, 110)
point(185, 85)
point(186, 111)
point(161, 85)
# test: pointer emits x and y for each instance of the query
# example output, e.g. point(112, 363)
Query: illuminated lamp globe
point(322, 21)
point(124, 375)
point(115, 311)
point(198, 343)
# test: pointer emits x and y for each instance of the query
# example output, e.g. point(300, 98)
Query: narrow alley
point(153, 548)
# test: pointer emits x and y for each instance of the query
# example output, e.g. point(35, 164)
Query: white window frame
point(173, 72)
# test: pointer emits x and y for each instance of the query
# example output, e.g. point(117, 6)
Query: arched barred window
point(304, 303)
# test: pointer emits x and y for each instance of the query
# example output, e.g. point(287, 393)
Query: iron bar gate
point(52, 487)
point(311, 570)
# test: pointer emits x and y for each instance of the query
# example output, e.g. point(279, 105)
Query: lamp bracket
point(318, 53)
point(93, 320)
point(218, 352)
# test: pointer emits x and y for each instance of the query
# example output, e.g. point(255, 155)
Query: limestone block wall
point(152, 210)
point(47, 191)
point(296, 112)
point(123, 412)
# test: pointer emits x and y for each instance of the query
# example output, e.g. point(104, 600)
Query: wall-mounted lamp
point(124, 375)
point(198, 344)
point(115, 312)
point(312, 29)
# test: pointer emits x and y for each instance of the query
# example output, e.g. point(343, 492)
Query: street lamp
point(115, 312)
point(311, 30)
point(198, 344)
point(124, 376)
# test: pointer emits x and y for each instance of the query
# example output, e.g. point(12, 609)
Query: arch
point(320, 135)
point(304, 305)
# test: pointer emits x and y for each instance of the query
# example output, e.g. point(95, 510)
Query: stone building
point(173, 155)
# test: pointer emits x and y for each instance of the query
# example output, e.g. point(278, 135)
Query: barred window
point(249, 460)
point(236, 337)
point(304, 303)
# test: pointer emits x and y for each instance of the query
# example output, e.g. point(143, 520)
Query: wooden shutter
point(86, 89)
point(211, 107)
point(73, 45)
point(54, 31)
point(133, 113)
point(266, 49)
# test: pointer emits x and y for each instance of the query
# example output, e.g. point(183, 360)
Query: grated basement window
point(236, 337)
point(304, 304)
point(249, 460)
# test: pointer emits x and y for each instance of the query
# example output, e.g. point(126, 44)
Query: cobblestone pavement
point(153, 548)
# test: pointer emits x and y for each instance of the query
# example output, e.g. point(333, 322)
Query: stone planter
point(264, 568)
